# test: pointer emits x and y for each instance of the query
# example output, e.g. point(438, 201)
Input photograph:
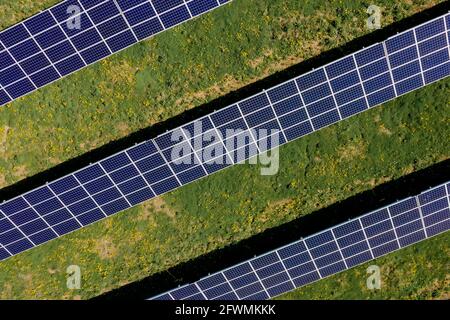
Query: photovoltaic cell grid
point(292, 109)
point(51, 44)
point(326, 253)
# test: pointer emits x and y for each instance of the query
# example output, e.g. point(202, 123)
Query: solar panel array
point(293, 109)
point(76, 33)
point(328, 252)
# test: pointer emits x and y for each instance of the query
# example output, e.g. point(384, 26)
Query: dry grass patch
point(105, 248)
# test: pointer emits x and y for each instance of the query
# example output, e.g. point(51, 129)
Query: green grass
point(184, 68)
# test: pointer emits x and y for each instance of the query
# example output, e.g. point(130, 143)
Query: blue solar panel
point(437, 73)
point(105, 28)
point(326, 119)
point(406, 217)
point(345, 81)
point(299, 130)
point(433, 44)
point(328, 259)
point(359, 246)
point(434, 206)
point(185, 292)
point(332, 269)
point(197, 7)
point(4, 97)
point(302, 259)
point(218, 291)
point(10, 75)
point(14, 35)
point(349, 95)
point(43, 236)
point(319, 239)
point(324, 249)
point(369, 54)
point(378, 228)
point(380, 96)
point(343, 246)
point(409, 85)
point(300, 106)
point(433, 194)
point(347, 228)
point(5, 225)
point(103, 12)
point(293, 118)
point(275, 280)
point(113, 27)
point(211, 281)
point(11, 236)
point(311, 79)
point(292, 249)
point(288, 105)
point(282, 92)
point(373, 69)
point(138, 14)
point(406, 71)
point(400, 41)
point(340, 67)
point(244, 281)
point(59, 52)
point(165, 186)
point(320, 107)
point(45, 76)
point(253, 104)
point(20, 88)
point(435, 59)
point(352, 238)
point(66, 226)
point(148, 28)
point(438, 227)
point(50, 38)
point(358, 259)
point(237, 271)
point(316, 93)
point(39, 23)
point(385, 248)
point(402, 57)
point(300, 269)
point(5, 60)
point(175, 16)
point(430, 29)
point(409, 228)
point(436, 217)
point(281, 288)
point(225, 115)
point(24, 50)
point(20, 246)
point(258, 296)
point(24, 216)
point(377, 83)
point(164, 297)
point(412, 238)
point(273, 269)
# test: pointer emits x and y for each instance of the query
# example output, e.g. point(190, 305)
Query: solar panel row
point(74, 34)
point(286, 112)
point(328, 252)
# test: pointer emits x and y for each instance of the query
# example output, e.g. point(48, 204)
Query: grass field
point(187, 67)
